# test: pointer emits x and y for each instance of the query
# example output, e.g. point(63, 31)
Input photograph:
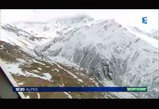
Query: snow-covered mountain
point(54, 27)
point(113, 54)
point(153, 33)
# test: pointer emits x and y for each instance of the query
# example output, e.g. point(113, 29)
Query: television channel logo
point(144, 20)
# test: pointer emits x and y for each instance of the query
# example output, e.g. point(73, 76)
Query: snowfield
point(153, 42)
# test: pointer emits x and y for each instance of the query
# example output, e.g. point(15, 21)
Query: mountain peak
point(74, 19)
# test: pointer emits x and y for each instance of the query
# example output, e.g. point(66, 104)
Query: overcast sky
point(125, 17)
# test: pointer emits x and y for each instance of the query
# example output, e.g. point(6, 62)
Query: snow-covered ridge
point(53, 28)
point(109, 51)
point(153, 33)
point(147, 38)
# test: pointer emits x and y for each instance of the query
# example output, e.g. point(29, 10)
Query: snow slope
point(153, 42)
point(109, 51)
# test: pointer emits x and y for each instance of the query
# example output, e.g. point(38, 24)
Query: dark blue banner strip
point(70, 89)
point(80, 89)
